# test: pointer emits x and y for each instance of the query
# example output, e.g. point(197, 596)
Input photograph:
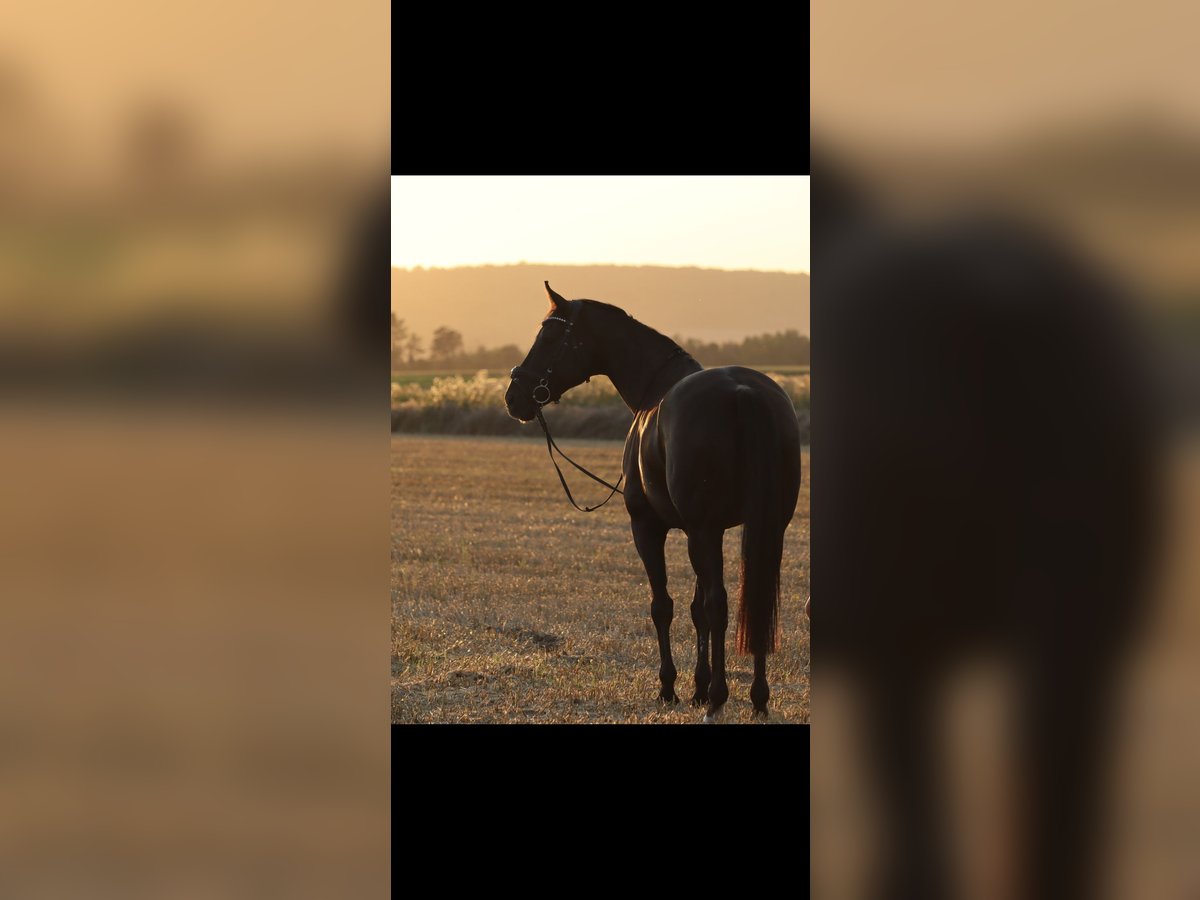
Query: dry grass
point(510, 606)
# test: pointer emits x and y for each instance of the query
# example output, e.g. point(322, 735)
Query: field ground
point(1152, 828)
point(510, 606)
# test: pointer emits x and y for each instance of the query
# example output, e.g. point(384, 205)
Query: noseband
point(542, 379)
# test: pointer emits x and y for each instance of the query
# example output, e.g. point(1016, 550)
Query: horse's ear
point(556, 301)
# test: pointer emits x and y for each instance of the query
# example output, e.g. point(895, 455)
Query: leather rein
point(616, 489)
point(543, 385)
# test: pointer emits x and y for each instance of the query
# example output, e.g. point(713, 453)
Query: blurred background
point(1006, 215)
point(193, 258)
point(191, 197)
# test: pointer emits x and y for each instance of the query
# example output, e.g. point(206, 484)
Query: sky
point(721, 222)
point(260, 78)
point(967, 75)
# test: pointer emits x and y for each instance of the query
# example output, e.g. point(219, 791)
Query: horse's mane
point(610, 309)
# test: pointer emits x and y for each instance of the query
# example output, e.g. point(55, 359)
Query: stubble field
point(509, 606)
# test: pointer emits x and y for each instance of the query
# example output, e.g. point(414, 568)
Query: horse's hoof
point(668, 701)
point(761, 713)
point(699, 700)
point(713, 716)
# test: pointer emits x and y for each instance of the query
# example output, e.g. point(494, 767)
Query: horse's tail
point(764, 524)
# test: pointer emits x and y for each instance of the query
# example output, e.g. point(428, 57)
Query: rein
point(551, 446)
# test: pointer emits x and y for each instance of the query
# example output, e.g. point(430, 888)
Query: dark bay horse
point(990, 438)
point(708, 449)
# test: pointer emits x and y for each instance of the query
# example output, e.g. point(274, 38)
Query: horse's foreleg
point(650, 538)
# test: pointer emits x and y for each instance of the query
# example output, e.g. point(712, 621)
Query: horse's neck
point(643, 365)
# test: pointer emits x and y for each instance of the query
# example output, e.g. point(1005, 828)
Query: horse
point(990, 496)
point(708, 449)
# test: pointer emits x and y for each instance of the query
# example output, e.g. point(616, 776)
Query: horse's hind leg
point(703, 672)
point(705, 551)
point(760, 693)
point(650, 537)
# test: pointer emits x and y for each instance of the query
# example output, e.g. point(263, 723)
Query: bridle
point(542, 379)
point(543, 385)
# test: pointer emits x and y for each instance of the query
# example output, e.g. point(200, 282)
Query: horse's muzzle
point(519, 404)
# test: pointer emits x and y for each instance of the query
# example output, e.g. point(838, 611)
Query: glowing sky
point(964, 77)
point(725, 222)
point(262, 79)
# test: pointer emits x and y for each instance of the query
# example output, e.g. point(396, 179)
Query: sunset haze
point(717, 257)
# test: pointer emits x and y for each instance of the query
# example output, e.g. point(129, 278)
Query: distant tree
point(400, 335)
point(784, 348)
point(414, 346)
point(160, 141)
point(446, 343)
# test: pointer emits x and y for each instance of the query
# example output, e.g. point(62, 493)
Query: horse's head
point(561, 357)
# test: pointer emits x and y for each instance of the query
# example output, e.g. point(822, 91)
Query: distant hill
point(495, 305)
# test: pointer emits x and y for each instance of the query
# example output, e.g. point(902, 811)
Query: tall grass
point(457, 404)
point(481, 391)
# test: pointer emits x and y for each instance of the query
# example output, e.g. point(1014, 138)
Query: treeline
point(783, 348)
point(446, 351)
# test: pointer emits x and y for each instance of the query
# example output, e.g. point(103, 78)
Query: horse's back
point(710, 423)
point(987, 443)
